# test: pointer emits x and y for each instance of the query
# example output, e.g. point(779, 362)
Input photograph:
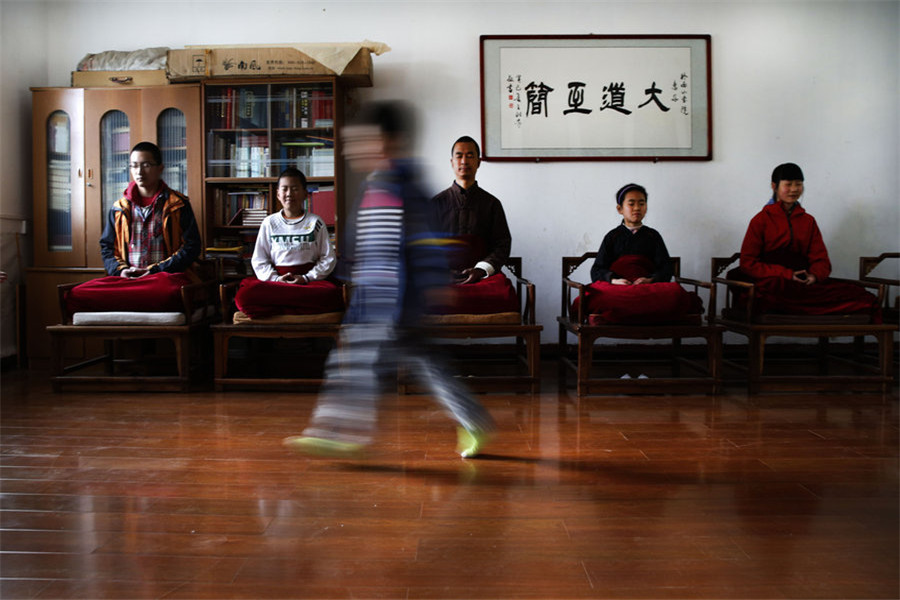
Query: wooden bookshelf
point(253, 130)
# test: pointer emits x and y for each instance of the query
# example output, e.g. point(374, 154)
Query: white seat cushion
point(127, 317)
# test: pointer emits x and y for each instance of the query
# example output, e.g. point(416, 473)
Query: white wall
point(23, 63)
point(811, 82)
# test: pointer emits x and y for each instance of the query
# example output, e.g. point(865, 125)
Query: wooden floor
point(192, 496)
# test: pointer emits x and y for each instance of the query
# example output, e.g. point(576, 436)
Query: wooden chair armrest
point(574, 284)
point(694, 282)
point(195, 294)
point(880, 280)
point(878, 287)
point(64, 317)
point(733, 283)
point(711, 306)
point(227, 292)
point(528, 310)
point(568, 286)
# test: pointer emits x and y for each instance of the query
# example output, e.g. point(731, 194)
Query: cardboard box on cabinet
point(352, 63)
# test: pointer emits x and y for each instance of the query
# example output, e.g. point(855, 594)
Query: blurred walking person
point(397, 262)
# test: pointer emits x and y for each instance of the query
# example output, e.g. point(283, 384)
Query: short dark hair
point(466, 140)
point(293, 172)
point(629, 187)
point(394, 118)
point(150, 147)
point(787, 172)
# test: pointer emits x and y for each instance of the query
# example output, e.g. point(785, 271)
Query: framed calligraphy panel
point(596, 97)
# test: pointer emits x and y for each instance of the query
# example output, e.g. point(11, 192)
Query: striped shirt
point(379, 252)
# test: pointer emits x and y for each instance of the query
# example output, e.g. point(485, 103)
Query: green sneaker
point(470, 443)
point(324, 447)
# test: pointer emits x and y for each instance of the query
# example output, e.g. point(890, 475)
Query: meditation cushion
point(258, 299)
point(159, 292)
point(778, 295)
point(494, 294)
point(645, 304)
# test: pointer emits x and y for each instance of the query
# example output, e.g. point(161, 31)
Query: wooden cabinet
point(82, 142)
point(253, 130)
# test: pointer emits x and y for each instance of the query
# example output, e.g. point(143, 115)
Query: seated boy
point(149, 243)
point(784, 255)
point(632, 270)
point(292, 259)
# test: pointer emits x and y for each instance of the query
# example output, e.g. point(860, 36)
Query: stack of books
point(253, 217)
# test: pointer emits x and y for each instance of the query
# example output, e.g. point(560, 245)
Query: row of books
point(229, 206)
point(237, 156)
point(292, 107)
point(238, 108)
point(248, 208)
point(303, 108)
point(59, 184)
point(241, 161)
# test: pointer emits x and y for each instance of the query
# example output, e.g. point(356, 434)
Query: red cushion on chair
point(257, 298)
point(494, 294)
point(159, 292)
point(777, 295)
point(646, 304)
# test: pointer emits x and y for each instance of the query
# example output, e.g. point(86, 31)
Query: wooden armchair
point(583, 360)
point(236, 325)
point(520, 326)
point(890, 310)
point(184, 328)
point(739, 316)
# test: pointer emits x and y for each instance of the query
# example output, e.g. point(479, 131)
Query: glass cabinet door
point(58, 162)
point(237, 120)
point(171, 131)
point(115, 149)
point(59, 182)
point(303, 129)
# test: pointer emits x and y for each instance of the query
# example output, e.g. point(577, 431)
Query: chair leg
point(533, 348)
point(886, 358)
point(676, 352)
point(57, 349)
point(755, 361)
point(714, 359)
point(220, 358)
point(183, 358)
point(562, 353)
point(585, 358)
point(823, 355)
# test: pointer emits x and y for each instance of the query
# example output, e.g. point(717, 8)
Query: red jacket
point(770, 230)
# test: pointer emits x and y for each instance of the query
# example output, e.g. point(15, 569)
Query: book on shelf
point(253, 217)
point(322, 162)
point(322, 203)
point(230, 204)
point(322, 109)
point(252, 108)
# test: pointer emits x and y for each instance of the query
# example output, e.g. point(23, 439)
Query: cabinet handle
point(121, 80)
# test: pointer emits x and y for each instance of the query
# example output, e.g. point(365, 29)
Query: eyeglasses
point(142, 166)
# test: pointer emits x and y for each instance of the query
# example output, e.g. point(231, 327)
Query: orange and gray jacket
point(181, 238)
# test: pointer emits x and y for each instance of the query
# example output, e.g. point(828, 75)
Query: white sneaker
point(642, 376)
point(625, 376)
